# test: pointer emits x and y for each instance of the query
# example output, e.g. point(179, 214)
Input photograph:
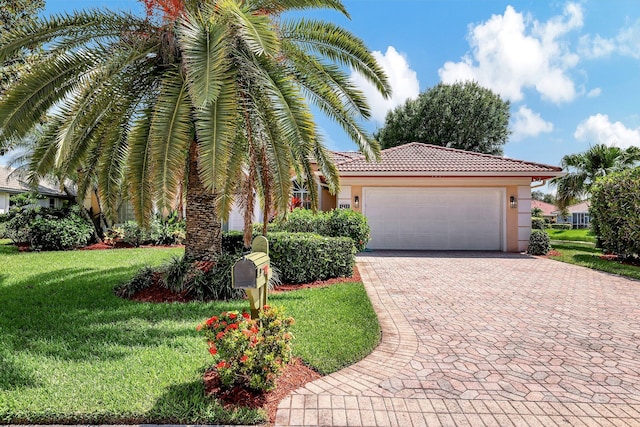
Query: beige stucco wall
point(518, 225)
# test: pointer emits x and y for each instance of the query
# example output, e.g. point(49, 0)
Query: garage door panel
point(434, 219)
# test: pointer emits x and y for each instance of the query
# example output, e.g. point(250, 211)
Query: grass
point(576, 235)
point(72, 352)
point(586, 255)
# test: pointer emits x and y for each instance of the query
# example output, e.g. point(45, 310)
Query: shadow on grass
point(14, 375)
point(187, 403)
point(72, 314)
point(8, 250)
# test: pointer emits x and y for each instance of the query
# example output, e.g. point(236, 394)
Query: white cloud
point(599, 129)
point(526, 123)
point(625, 43)
point(403, 80)
point(511, 52)
point(594, 93)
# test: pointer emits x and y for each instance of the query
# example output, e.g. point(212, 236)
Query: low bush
point(537, 223)
point(59, 231)
point(130, 232)
point(539, 243)
point(615, 213)
point(249, 352)
point(142, 280)
point(561, 226)
point(305, 257)
point(335, 223)
point(45, 229)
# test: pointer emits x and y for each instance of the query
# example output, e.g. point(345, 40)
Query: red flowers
point(232, 315)
point(213, 350)
point(220, 335)
point(244, 359)
point(246, 315)
point(222, 364)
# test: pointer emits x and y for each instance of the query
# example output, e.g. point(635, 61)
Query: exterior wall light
point(356, 201)
point(513, 202)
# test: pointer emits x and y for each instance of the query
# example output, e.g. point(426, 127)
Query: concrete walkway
point(486, 339)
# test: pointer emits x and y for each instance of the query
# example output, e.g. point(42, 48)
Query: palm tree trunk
point(204, 235)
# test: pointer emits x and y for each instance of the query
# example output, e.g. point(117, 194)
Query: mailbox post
point(252, 273)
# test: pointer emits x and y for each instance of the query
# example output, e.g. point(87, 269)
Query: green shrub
point(249, 352)
point(170, 231)
point(45, 229)
point(130, 232)
point(539, 243)
point(615, 213)
point(233, 241)
point(561, 226)
point(537, 223)
point(335, 223)
point(142, 280)
point(59, 231)
point(348, 223)
point(305, 257)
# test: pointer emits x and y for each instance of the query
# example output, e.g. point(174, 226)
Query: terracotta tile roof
point(581, 207)
point(424, 159)
point(14, 184)
point(343, 156)
point(547, 208)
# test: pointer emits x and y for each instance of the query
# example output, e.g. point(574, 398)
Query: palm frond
point(139, 170)
point(170, 134)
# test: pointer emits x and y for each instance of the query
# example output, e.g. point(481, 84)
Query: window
point(52, 202)
point(580, 220)
point(301, 193)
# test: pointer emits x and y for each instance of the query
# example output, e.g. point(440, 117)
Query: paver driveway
point(486, 339)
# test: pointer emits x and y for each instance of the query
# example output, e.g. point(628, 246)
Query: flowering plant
point(249, 352)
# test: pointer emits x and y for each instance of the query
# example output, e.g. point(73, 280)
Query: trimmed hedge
point(306, 257)
point(335, 223)
point(561, 226)
point(539, 243)
point(537, 223)
point(615, 213)
point(302, 257)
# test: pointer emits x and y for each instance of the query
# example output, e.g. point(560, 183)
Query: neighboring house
point(578, 215)
point(428, 197)
point(11, 184)
point(549, 211)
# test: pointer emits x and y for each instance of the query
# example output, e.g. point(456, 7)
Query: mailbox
point(252, 273)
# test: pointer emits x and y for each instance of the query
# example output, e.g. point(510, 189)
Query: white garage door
point(435, 218)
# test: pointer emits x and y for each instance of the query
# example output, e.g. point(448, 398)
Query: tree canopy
point(212, 90)
point(466, 116)
point(583, 169)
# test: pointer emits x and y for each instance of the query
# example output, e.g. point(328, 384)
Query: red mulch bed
point(295, 375)
point(122, 245)
point(615, 258)
point(285, 287)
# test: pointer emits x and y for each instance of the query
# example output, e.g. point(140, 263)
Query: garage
point(435, 218)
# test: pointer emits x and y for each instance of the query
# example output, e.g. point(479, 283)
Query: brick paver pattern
point(486, 339)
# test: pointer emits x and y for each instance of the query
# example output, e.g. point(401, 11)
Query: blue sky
point(571, 69)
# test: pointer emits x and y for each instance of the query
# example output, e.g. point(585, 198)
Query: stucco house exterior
point(11, 183)
point(427, 197)
point(549, 211)
point(578, 215)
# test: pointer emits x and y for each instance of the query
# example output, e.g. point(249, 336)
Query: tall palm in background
point(584, 168)
point(211, 90)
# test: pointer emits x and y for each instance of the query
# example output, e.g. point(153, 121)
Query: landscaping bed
point(73, 352)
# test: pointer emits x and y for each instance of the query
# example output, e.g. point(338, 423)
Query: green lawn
point(72, 352)
point(581, 235)
point(588, 256)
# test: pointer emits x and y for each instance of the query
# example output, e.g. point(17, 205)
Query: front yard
point(72, 352)
point(578, 247)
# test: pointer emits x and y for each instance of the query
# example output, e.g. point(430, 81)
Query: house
point(427, 197)
point(578, 215)
point(549, 211)
point(12, 183)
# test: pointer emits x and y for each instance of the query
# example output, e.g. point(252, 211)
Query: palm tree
point(584, 168)
point(135, 103)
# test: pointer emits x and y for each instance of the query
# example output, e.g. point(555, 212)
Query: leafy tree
point(198, 88)
point(583, 169)
point(543, 197)
point(461, 115)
